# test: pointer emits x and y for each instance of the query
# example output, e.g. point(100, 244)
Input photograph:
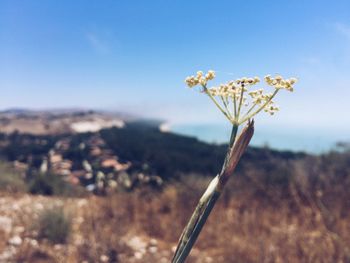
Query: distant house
point(58, 165)
point(113, 163)
point(73, 179)
point(56, 158)
point(96, 151)
point(108, 163)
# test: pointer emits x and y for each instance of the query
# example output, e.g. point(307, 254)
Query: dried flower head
point(236, 100)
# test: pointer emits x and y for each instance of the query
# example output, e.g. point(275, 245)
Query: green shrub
point(11, 181)
point(54, 225)
point(50, 184)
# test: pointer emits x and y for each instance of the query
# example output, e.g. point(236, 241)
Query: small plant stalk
point(206, 203)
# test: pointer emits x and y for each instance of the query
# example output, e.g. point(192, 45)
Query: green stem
point(251, 108)
point(240, 101)
point(231, 142)
point(226, 106)
point(202, 211)
point(217, 104)
point(235, 106)
point(233, 136)
point(197, 229)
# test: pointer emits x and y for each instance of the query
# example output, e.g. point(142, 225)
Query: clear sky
point(133, 56)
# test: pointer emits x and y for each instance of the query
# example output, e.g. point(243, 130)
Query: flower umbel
point(236, 99)
point(239, 103)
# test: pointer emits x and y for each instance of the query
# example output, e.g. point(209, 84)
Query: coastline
point(279, 139)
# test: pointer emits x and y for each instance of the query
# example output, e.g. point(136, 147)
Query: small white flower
point(210, 75)
point(199, 74)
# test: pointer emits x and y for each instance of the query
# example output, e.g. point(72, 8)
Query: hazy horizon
point(305, 139)
point(134, 58)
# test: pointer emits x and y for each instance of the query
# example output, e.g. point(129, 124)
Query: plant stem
point(230, 144)
point(240, 101)
point(217, 104)
point(206, 203)
point(198, 227)
point(226, 107)
point(235, 107)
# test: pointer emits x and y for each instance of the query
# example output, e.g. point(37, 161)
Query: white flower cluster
point(200, 78)
point(233, 88)
point(234, 95)
point(259, 98)
point(279, 83)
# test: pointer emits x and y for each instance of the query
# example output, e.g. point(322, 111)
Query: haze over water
point(311, 141)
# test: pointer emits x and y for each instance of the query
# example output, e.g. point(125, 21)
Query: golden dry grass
point(243, 229)
point(144, 225)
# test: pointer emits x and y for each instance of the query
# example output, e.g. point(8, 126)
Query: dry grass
point(144, 226)
point(244, 229)
point(304, 219)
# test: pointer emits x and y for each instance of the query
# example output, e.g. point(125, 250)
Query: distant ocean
point(281, 139)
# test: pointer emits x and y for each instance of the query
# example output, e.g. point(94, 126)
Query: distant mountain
point(59, 121)
point(15, 111)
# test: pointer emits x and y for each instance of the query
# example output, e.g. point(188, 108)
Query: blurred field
point(104, 151)
point(274, 209)
point(244, 229)
point(255, 222)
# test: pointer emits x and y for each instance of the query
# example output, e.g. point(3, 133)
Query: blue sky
point(133, 56)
